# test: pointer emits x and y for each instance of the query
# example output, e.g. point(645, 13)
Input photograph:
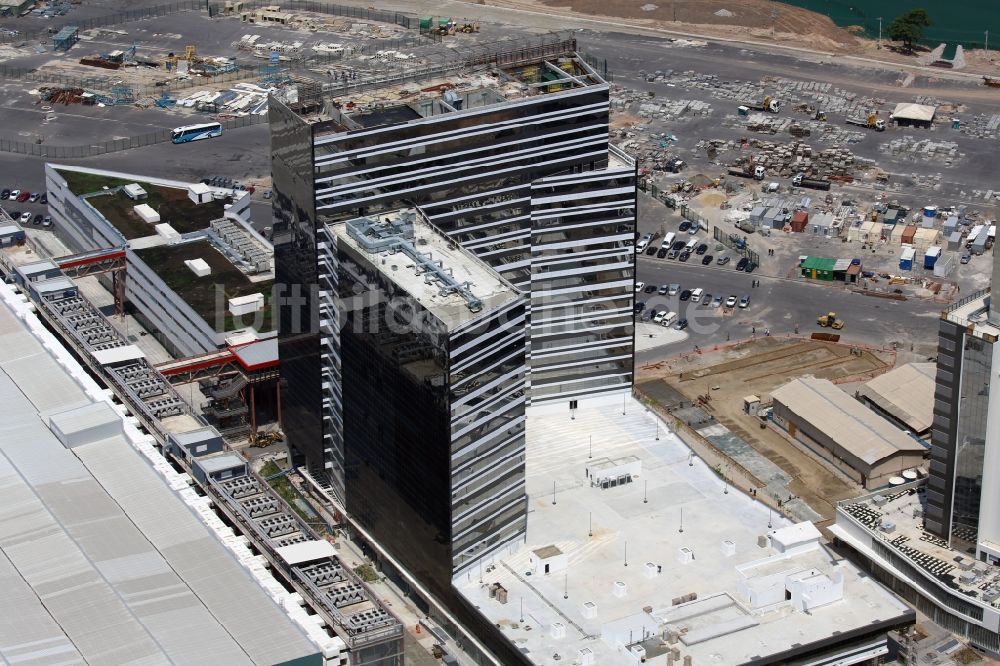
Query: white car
point(639, 286)
point(660, 316)
point(731, 301)
point(668, 318)
point(14, 194)
point(25, 218)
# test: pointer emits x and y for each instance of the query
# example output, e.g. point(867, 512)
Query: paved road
point(778, 304)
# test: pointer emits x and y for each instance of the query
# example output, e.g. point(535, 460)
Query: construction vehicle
point(768, 104)
point(800, 180)
point(829, 320)
point(991, 82)
point(872, 121)
point(748, 171)
point(268, 437)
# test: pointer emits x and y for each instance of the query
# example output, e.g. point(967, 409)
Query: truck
point(768, 104)
point(749, 170)
point(800, 180)
point(872, 121)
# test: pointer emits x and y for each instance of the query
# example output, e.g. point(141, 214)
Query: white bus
point(195, 132)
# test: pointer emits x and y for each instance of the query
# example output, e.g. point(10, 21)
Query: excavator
point(830, 320)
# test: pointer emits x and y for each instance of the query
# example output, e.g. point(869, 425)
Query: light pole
point(880, 32)
point(681, 529)
point(769, 516)
point(986, 46)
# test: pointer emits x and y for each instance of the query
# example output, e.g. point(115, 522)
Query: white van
point(697, 294)
point(668, 318)
point(692, 244)
point(668, 240)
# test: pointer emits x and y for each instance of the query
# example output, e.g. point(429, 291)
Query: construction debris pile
point(242, 99)
point(788, 159)
point(922, 150)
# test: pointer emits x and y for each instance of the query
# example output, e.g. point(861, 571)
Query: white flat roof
point(199, 188)
point(639, 523)
point(307, 551)
point(100, 561)
point(452, 308)
point(118, 354)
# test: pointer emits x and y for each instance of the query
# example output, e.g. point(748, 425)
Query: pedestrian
point(753, 330)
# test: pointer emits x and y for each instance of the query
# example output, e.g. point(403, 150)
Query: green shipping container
point(425, 22)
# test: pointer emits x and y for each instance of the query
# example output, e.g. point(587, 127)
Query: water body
point(962, 22)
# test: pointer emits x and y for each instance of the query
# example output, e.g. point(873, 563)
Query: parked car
point(706, 260)
point(44, 199)
point(664, 289)
point(742, 264)
point(25, 218)
point(661, 253)
point(723, 260)
point(14, 193)
point(701, 249)
point(47, 221)
point(965, 258)
point(649, 288)
point(660, 316)
point(668, 318)
point(684, 256)
point(672, 254)
point(678, 245)
point(23, 196)
point(685, 225)
point(639, 306)
point(639, 285)
point(38, 219)
point(693, 229)
point(674, 289)
point(717, 303)
point(706, 299)
point(686, 294)
point(651, 249)
point(731, 301)
point(681, 325)
point(267, 194)
point(34, 197)
point(744, 301)
point(5, 194)
point(751, 268)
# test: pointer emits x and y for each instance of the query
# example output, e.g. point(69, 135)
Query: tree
point(908, 27)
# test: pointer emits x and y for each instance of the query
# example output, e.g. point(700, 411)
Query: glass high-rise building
point(511, 160)
point(963, 488)
point(451, 249)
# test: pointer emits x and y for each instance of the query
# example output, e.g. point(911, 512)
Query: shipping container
point(931, 256)
point(906, 259)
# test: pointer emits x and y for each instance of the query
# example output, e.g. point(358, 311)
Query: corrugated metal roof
point(819, 263)
point(911, 111)
point(851, 425)
point(113, 566)
point(907, 393)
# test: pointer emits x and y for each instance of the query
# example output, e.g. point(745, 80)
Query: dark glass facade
point(958, 435)
point(433, 422)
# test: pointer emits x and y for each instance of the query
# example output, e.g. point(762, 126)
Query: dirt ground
point(748, 20)
point(756, 368)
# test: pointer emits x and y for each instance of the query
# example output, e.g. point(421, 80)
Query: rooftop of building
point(896, 518)
point(446, 280)
point(102, 560)
point(692, 581)
point(853, 426)
point(171, 201)
point(468, 81)
point(201, 293)
point(971, 312)
point(906, 392)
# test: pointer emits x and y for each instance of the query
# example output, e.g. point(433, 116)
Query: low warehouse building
point(835, 426)
point(913, 115)
point(905, 396)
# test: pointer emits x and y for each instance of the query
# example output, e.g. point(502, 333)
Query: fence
point(382, 16)
point(732, 241)
point(115, 145)
point(126, 16)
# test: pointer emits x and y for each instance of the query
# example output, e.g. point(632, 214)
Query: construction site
point(704, 395)
point(265, 51)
